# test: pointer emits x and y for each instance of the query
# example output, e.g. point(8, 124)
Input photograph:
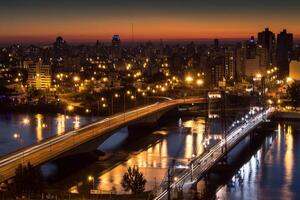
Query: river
point(269, 170)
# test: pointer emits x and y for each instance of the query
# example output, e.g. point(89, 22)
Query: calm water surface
point(34, 128)
point(153, 154)
point(272, 172)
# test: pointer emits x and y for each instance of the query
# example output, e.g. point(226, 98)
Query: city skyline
point(35, 21)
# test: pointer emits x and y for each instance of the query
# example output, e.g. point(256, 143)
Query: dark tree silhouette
point(27, 181)
point(134, 181)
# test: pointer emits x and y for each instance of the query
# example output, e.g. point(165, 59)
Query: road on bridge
point(201, 164)
point(50, 148)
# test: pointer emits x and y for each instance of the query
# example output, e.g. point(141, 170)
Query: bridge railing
point(205, 161)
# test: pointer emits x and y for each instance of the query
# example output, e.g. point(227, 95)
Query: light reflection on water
point(272, 172)
point(177, 146)
point(36, 128)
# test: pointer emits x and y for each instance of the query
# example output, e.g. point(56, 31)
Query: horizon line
point(72, 40)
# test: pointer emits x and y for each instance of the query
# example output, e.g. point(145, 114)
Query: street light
point(70, 108)
point(92, 179)
point(189, 79)
point(199, 82)
point(270, 101)
point(289, 80)
point(25, 121)
point(76, 78)
point(16, 136)
point(116, 95)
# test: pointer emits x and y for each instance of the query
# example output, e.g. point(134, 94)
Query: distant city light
point(25, 121)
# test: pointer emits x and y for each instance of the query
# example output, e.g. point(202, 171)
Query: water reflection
point(271, 172)
point(76, 122)
point(60, 124)
point(288, 159)
point(39, 127)
point(176, 147)
point(34, 128)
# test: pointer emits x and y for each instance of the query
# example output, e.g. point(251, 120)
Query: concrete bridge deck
point(53, 147)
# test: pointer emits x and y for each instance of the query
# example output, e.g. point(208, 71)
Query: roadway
point(201, 164)
point(51, 148)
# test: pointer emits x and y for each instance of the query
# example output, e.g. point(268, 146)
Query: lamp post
point(116, 95)
point(18, 137)
point(199, 82)
point(92, 179)
point(128, 92)
point(189, 79)
point(69, 108)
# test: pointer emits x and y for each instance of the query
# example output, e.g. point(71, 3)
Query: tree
point(28, 180)
point(293, 92)
point(133, 180)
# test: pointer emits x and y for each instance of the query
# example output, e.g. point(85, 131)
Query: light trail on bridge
point(50, 148)
point(201, 164)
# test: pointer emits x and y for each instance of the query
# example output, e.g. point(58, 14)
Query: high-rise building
point(230, 64)
point(252, 67)
point(116, 46)
point(294, 71)
point(251, 48)
point(216, 64)
point(241, 52)
point(266, 40)
point(296, 53)
point(39, 75)
point(59, 47)
point(284, 52)
point(216, 43)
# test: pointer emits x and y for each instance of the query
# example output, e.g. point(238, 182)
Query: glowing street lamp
point(270, 101)
point(76, 78)
point(189, 79)
point(25, 121)
point(199, 82)
point(289, 80)
point(16, 136)
point(279, 101)
point(258, 76)
point(116, 95)
point(70, 108)
point(92, 179)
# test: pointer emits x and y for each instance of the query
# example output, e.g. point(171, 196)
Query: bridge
point(51, 148)
point(200, 165)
